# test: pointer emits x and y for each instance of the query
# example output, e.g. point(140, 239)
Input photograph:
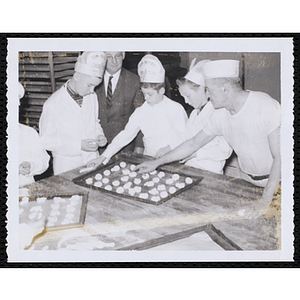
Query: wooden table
point(116, 223)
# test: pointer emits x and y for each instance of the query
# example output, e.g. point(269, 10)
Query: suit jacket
point(125, 99)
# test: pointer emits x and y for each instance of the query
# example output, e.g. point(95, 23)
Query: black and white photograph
point(150, 149)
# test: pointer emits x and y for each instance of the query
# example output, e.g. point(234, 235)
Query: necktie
point(109, 92)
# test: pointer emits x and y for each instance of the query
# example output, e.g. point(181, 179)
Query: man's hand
point(89, 145)
point(24, 168)
point(255, 210)
point(162, 151)
point(94, 163)
point(101, 140)
point(139, 150)
point(147, 166)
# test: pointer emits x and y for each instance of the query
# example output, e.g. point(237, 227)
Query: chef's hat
point(195, 73)
point(21, 91)
point(91, 63)
point(151, 70)
point(221, 68)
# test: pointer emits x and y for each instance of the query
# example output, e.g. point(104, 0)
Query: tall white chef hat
point(195, 73)
point(21, 91)
point(151, 70)
point(221, 68)
point(91, 63)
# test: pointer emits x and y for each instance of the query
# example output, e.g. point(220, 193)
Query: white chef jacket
point(247, 131)
point(163, 124)
point(63, 124)
point(212, 156)
point(32, 151)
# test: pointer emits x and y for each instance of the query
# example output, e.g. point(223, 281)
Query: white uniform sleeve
point(50, 134)
point(216, 150)
point(39, 157)
point(125, 136)
point(99, 129)
point(179, 126)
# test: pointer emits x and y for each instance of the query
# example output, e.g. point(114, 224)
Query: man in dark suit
point(118, 95)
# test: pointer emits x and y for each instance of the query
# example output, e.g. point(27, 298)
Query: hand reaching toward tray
point(147, 166)
point(94, 163)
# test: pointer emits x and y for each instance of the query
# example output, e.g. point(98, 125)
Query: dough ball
point(143, 195)
point(32, 215)
point(98, 184)
point(137, 181)
point(132, 167)
point(127, 185)
point(153, 191)
point(145, 176)
point(106, 173)
point(108, 187)
point(125, 171)
point(98, 176)
point(175, 177)
point(164, 194)
point(24, 201)
point(122, 164)
point(155, 179)
point(57, 199)
point(115, 169)
point(155, 198)
point(89, 180)
point(137, 189)
point(153, 172)
point(169, 181)
point(132, 174)
point(131, 191)
point(125, 178)
point(188, 180)
point(55, 206)
point(120, 190)
point(161, 187)
point(41, 199)
point(161, 174)
point(180, 185)
point(105, 180)
point(172, 190)
point(39, 215)
point(149, 183)
point(116, 183)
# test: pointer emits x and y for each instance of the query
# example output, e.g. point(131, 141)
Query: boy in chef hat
point(250, 123)
point(69, 124)
point(33, 158)
point(161, 120)
point(211, 157)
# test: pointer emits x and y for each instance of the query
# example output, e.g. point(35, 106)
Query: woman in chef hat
point(211, 157)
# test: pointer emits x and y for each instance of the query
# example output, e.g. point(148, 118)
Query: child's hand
point(24, 168)
point(89, 145)
point(101, 140)
point(162, 151)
